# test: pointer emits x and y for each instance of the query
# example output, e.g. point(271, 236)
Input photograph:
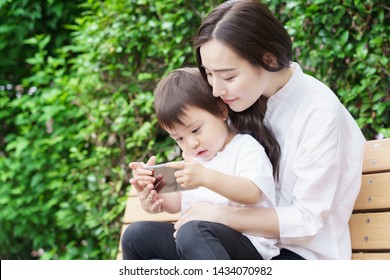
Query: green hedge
point(345, 43)
point(80, 112)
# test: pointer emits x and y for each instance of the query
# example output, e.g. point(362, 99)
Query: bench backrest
point(370, 221)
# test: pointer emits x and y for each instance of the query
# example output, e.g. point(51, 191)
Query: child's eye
point(179, 139)
point(196, 130)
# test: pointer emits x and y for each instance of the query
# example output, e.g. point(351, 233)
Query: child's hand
point(141, 175)
point(143, 181)
point(150, 200)
point(190, 173)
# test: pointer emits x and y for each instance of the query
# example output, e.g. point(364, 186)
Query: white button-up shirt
point(320, 169)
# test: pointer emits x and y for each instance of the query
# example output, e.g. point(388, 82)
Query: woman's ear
point(270, 59)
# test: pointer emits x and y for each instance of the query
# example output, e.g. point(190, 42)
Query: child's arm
point(238, 189)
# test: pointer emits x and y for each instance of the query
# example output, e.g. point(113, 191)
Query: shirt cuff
point(292, 228)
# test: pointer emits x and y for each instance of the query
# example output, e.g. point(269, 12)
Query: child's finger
point(156, 207)
point(135, 165)
point(151, 161)
point(142, 171)
point(176, 164)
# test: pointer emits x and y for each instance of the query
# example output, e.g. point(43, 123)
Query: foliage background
point(76, 103)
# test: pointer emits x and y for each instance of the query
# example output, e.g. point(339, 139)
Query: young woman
point(245, 55)
point(224, 167)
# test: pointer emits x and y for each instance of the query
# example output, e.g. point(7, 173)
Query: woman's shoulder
point(313, 96)
point(303, 90)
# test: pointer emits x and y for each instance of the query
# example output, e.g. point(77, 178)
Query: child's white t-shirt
point(243, 157)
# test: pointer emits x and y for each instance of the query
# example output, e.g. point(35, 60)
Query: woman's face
point(238, 83)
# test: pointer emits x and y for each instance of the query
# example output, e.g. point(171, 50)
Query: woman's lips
point(229, 101)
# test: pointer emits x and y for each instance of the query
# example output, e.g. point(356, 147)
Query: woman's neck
point(279, 80)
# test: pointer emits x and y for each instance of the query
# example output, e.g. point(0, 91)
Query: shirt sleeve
point(316, 167)
point(254, 164)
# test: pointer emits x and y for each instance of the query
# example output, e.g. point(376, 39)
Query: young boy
point(224, 167)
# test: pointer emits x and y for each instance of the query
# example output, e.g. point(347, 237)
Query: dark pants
point(195, 240)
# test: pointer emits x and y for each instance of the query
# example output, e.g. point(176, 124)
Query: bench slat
point(374, 193)
point(370, 231)
point(377, 156)
point(371, 256)
point(134, 212)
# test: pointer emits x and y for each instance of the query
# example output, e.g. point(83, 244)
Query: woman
point(245, 55)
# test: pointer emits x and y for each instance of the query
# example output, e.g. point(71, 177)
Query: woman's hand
point(202, 211)
point(240, 219)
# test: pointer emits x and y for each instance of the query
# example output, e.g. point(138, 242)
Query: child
point(228, 169)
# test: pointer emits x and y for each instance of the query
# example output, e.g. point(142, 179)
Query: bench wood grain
point(370, 221)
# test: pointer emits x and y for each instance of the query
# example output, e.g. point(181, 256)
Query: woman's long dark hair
point(251, 121)
point(249, 29)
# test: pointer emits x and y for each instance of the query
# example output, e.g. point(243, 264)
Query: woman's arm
point(171, 202)
point(255, 221)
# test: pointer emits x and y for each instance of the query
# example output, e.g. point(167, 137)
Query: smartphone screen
point(166, 181)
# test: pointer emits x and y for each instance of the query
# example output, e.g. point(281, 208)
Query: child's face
point(203, 135)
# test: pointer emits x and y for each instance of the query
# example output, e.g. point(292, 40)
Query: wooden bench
point(370, 221)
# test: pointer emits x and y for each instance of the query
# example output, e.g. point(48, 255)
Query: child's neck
point(229, 138)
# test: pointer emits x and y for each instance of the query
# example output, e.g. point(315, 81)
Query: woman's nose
point(218, 89)
point(220, 93)
point(216, 92)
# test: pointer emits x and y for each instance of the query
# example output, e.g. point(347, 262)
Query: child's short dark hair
point(180, 89)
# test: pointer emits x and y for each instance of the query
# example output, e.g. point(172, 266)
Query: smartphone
point(166, 181)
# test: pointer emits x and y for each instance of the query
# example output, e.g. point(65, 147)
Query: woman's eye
point(228, 78)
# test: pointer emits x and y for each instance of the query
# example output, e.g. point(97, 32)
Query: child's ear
point(270, 59)
point(224, 110)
